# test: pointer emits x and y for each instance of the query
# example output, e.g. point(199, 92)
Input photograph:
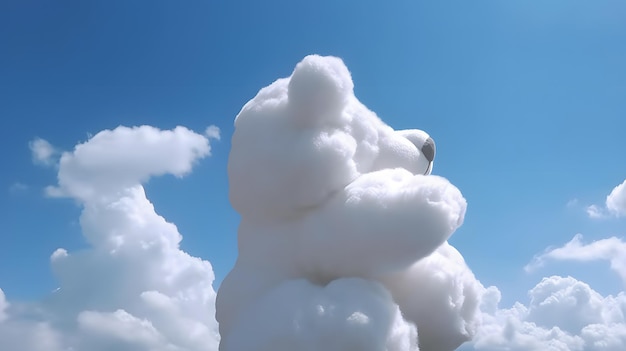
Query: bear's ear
point(424, 143)
point(319, 88)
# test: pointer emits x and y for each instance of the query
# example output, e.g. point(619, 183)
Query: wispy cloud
point(572, 203)
point(43, 153)
point(212, 132)
point(612, 249)
point(596, 212)
point(18, 187)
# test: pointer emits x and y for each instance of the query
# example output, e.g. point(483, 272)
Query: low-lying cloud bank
point(133, 288)
point(563, 314)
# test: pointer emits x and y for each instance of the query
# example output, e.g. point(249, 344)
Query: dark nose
point(428, 149)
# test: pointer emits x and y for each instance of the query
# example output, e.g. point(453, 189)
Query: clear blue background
point(525, 99)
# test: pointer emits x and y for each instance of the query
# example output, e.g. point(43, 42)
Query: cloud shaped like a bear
point(343, 234)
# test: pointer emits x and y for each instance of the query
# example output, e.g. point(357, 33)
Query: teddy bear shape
point(327, 191)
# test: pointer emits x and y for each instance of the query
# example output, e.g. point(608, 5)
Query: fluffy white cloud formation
point(615, 204)
point(125, 157)
point(440, 294)
point(342, 242)
point(346, 314)
point(611, 249)
point(563, 314)
point(133, 289)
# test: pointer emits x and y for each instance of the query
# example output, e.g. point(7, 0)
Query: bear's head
point(303, 138)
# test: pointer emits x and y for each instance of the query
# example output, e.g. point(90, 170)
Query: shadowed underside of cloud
point(342, 242)
point(346, 314)
point(133, 289)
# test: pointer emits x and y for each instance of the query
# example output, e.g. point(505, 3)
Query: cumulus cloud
point(124, 157)
point(346, 314)
point(563, 314)
point(440, 295)
point(611, 249)
point(615, 204)
point(22, 335)
point(616, 200)
point(343, 236)
point(133, 288)
point(43, 153)
point(212, 132)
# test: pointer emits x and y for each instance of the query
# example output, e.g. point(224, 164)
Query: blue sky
point(525, 100)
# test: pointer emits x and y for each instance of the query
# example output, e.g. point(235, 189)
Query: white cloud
point(563, 314)
point(615, 204)
point(596, 212)
point(124, 157)
point(212, 132)
point(3, 306)
point(616, 200)
point(19, 335)
point(133, 289)
point(328, 193)
point(23, 328)
point(43, 152)
point(114, 329)
point(440, 295)
point(346, 314)
point(612, 249)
